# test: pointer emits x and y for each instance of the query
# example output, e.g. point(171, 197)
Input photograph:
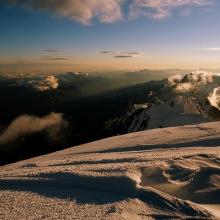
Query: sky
point(97, 35)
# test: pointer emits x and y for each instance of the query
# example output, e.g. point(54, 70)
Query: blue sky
point(134, 34)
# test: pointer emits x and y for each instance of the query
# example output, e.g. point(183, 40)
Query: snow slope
point(154, 174)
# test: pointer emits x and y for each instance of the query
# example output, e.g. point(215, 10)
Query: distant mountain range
point(183, 99)
point(86, 107)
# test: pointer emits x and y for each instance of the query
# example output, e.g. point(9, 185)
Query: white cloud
point(50, 83)
point(160, 9)
point(82, 11)
point(211, 48)
point(200, 83)
point(175, 79)
point(28, 124)
point(214, 98)
point(199, 77)
point(191, 82)
point(184, 87)
point(106, 11)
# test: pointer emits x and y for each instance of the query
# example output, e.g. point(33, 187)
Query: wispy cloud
point(50, 50)
point(53, 58)
point(107, 11)
point(160, 9)
point(122, 54)
point(133, 52)
point(211, 48)
point(107, 52)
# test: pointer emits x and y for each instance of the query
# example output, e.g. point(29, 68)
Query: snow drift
point(144, 175)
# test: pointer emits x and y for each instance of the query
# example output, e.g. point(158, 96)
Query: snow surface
point(155, 174)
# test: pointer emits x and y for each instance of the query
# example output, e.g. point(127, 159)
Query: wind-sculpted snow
point(194, 178)
point(144, 175)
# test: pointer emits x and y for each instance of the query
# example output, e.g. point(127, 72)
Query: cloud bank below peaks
point(49, 83)
point(202, 84)
point(191, 82)
point(28, 124)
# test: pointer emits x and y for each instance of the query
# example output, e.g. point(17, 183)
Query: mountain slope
point(134, 176)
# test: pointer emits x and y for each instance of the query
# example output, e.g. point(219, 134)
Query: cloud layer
point(84, 11)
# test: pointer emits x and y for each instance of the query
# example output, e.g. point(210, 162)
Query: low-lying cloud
point(28, 124)
point(200, 83)
point(49, 83)
point(106, 11)
point(174, 79)
point(190, 82)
